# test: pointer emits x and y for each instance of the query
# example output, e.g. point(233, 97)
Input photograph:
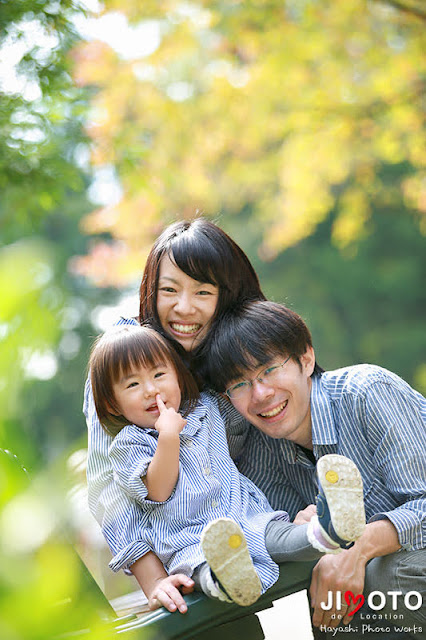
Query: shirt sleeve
point(395, 420)
point(237, 428)
point(120, 517)
point(130, 453)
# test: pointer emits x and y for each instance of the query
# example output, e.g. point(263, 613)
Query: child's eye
point(132, 384)
point(159, 374)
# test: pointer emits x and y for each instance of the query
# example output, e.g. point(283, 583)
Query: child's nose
point(150, 389)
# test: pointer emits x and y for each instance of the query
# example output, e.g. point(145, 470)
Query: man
point(262, 357)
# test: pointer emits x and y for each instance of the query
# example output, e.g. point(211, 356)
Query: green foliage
point(44, 590)
point(40, 112)
point(283, 107)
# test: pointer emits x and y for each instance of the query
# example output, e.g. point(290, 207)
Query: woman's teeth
point(185, 328)
point(274, 412)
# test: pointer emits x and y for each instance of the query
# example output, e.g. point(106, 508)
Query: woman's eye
point(204, 293)
point(167, 289)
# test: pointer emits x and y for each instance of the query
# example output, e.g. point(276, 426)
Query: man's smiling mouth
point(274, 412)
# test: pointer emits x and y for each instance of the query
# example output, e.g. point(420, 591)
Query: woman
point(194, 273)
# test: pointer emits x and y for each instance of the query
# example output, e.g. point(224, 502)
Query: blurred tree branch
point(412, 7)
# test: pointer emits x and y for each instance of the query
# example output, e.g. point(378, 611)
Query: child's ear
point(112, 410)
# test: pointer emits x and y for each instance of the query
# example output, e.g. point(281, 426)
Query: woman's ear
point(308, 361)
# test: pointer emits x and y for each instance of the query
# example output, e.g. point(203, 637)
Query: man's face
point(280, 407)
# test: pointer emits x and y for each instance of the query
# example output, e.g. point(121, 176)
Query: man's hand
point(167, 594)
point(336, 572)
point(169, 421)
point(304, 516)
point(346, 571)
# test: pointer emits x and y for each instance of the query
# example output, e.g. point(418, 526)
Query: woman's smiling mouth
point(185, 329)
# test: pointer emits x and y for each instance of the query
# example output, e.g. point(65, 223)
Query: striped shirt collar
point(323, 428)
point(324, 435)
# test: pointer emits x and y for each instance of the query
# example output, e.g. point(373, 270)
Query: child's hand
point(168, 595)
point(169, 421)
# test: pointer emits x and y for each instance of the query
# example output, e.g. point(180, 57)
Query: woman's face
point(185, 306)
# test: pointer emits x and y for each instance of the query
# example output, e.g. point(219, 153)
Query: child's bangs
point(138, 350)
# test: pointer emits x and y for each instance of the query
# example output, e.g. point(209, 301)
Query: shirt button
point(189, 443)
point(215, 504)
point(207, 471)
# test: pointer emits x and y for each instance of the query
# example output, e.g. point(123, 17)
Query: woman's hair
point(205, 253)
point(113, 356)
point(252, 336)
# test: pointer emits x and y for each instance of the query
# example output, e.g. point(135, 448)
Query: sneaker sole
point(225, 549)
point(342, 485)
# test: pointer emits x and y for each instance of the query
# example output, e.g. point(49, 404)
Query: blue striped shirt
point(371, 416)
point(209, 486)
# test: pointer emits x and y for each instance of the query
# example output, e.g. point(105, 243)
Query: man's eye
point(239, 385)
point(270, 370)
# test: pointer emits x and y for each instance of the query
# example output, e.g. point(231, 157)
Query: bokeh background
point(296, 125)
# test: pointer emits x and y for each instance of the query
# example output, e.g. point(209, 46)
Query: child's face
point(135, 393)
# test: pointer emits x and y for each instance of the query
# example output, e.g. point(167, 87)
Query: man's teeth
point(185, 328)
point(274, 412)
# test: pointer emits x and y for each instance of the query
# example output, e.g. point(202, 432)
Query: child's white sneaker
point(225, 550)
point(340, 502)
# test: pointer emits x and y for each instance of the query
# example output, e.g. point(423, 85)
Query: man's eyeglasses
point(268, 375)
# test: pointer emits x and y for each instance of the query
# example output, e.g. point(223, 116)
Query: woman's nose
point(184, 303)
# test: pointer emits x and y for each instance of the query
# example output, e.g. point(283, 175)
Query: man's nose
point(260, 390)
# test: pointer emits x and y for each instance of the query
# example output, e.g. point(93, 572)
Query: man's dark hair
point(252, 336)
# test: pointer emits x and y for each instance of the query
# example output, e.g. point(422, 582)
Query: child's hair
point(115, 353)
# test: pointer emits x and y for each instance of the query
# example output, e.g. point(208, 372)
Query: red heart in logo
point(349, 596)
